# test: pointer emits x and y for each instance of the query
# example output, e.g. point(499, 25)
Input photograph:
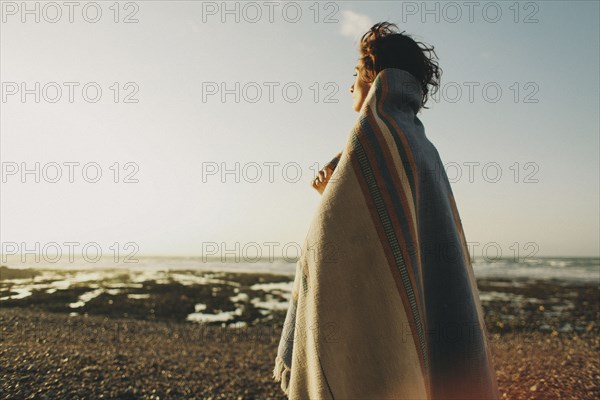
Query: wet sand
point(544, 335)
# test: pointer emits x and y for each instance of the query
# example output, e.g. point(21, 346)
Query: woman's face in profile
point(359, 90)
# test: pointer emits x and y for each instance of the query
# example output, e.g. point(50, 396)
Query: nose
point(352, 88)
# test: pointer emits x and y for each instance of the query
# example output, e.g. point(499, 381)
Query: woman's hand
point(322, 178)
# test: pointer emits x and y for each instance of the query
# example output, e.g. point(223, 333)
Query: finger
point(317, 186)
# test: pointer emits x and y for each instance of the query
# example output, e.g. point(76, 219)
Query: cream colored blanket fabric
point(385, 304)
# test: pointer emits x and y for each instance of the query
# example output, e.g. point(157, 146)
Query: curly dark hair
point(384, 47)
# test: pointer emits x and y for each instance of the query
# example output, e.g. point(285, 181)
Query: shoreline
point(248, 299)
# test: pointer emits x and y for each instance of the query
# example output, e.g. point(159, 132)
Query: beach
point(214, 335)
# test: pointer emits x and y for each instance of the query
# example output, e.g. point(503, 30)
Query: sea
point(568, 269)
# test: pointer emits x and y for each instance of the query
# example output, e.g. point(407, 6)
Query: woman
point(384, 303)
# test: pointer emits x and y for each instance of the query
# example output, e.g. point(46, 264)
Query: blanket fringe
point(281, 373)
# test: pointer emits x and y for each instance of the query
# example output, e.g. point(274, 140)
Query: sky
point(207, 121)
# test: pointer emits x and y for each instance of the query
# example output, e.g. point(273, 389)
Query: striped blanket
point(384, 302)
